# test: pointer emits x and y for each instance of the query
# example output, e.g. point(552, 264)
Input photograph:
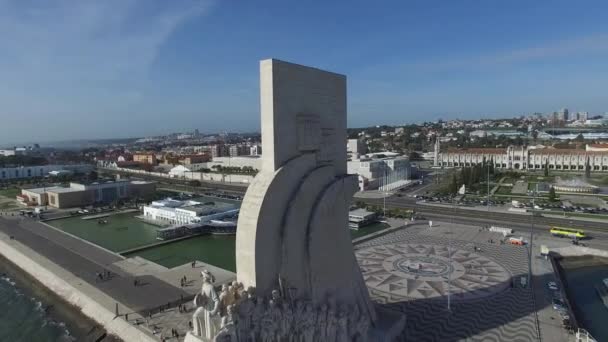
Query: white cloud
point(87, 42)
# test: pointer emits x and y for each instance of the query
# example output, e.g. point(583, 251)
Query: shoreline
point(79, 326)
point(85, 299)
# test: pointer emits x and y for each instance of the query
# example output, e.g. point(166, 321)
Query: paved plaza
point(408, 270)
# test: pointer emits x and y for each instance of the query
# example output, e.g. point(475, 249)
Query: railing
point(583, 335)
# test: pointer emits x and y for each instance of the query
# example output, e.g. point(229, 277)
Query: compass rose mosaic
point(418, 271)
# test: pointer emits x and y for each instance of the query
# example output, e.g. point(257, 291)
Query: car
point(552, 286)
point(559, 305)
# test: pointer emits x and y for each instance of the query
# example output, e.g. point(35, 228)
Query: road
point(466, 215)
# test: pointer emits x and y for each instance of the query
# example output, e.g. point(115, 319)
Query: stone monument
point(293, 247)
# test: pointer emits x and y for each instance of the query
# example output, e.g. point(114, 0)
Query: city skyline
point(135, 68)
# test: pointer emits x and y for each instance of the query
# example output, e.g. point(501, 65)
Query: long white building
point(7, 173)
point(524, 158)
point(172, 212)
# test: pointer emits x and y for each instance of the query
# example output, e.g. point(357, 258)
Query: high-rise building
point(238, 150)
point(582, 116)
point(562, 115)
point(255, 150)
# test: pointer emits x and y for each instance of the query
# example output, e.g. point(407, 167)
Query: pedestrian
point(127, 317)
point(190, 324)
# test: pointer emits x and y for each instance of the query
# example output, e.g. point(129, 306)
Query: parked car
point(552, 286)
point(558, 305)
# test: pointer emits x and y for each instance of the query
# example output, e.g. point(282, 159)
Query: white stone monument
point(293, 247)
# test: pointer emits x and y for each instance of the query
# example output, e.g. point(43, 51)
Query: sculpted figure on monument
point(322, 323)
point(207, 303)
point(332, 325)
point(228, 332)
point(287, 322)
point(353, 320)
point(270, 322)
point(309, 321)
point(226, 298)
point(342, 335)
point(245, 313)
point(256, 319)
point(363, 328)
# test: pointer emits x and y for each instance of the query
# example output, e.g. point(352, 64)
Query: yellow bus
point(568, 232)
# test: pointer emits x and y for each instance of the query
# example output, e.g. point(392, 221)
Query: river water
point(23, 317)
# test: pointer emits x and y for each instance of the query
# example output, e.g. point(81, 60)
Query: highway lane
point(482, 216)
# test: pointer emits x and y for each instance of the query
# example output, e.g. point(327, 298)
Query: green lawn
point(10, 192)
point(8, 205)
point(503, 190)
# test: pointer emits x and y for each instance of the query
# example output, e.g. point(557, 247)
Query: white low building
point(7, 173)
point(381, 173)
point(172, 212)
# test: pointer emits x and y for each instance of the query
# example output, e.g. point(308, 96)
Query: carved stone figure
point(237, 291)
point(308, 324)
point(353, 320)
point(276, 297)
point(226, 298)
point(256, 319)
point(270, 323)
point(322, 323)
point(342, 334)
point(363, 328)
point(287, 322)
point(228, 331)
point(207, 303)
point(245, 313)
point(332, 326)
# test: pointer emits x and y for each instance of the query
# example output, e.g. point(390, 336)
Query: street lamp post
point(450, 254)
point(531, 235)
point(488, 181)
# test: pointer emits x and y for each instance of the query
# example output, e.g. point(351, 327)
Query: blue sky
point(118, 68)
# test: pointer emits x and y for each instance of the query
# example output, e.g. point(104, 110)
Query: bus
point(568, 232)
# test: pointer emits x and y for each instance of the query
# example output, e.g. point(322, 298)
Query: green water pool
point(372, 228)
point(217, 250)
point(122, 232)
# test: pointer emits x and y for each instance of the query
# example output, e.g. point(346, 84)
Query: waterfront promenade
point(76, 264)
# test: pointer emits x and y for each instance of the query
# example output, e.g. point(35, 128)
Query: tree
point(587, 169)
point(552, 196)
point(93, 175)
point(453, 185)
point(534, 135)
point(546, 168)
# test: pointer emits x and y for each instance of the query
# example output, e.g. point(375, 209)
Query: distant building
point(83, 194)
point(193, 159)
point(8, 173)
point(170, 211)
point(356, 148)
point(255, 150)
point(562, 115)
point(238, 150)
point(526, 158)
point(379, 172)
point(218, 151)
point(6, 153)
point(582, 116)
point(146, 158)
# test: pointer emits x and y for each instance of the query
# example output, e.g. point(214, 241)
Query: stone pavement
point(503, 310)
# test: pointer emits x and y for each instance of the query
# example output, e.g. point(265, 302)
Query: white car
point(552, 286)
